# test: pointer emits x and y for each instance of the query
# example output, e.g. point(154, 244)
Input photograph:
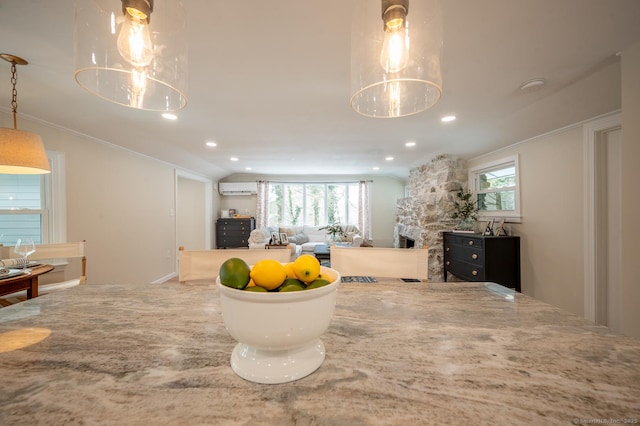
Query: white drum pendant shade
point(413, 84)
point(159, 83)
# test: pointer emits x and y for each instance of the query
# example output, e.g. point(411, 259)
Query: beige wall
point(552, 227)
point(551, 181)
point(384, 193)
point(120, 202)
point(190, 215)
point(630, 192)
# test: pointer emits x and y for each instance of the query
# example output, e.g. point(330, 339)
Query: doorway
point(193, 211)
point(603, 222)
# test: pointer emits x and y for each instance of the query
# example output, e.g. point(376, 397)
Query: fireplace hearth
point(406, 242)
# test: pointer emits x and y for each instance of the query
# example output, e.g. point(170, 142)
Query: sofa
point(302, 239)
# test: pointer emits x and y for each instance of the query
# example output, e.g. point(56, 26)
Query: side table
point(28, 281)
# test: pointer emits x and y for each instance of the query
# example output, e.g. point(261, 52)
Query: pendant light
point(396, 48)
point(21, 152)
point(132, 52)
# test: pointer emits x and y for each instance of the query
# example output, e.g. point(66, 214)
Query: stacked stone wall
point(427, 211)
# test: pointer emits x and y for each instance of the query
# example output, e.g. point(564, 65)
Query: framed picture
point(275, 239)
point(232, 212)
point(500, 231)
point(284, 239)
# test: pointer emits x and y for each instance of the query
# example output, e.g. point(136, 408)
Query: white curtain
point(262, 204)
point(364, 222)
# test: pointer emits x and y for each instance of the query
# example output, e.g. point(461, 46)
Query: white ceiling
point(269, 82)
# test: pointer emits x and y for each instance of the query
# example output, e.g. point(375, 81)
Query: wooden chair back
point(205, 264)
point(49, 253)
point(381, 262)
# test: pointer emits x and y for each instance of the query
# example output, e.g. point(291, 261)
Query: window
point(32, 205)
point(497, 190)
point(313, 203)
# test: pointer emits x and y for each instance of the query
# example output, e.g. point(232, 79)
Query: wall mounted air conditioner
point(237, 188)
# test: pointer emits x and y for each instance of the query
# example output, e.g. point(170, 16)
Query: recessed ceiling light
point(448, 118)
point(169, 116)
point(410, 144)
point(389, 158)
point(532, 85)
point(247, 168)
point(233, 158)
point(376, 168)
point(211, 144)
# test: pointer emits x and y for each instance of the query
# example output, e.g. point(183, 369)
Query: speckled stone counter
point(397, 353)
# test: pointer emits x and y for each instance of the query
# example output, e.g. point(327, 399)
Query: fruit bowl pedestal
point(278, 333)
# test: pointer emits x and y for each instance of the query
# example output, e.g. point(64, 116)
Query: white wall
point(384, 193)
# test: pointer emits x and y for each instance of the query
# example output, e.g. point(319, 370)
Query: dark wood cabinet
point(477, 257)
point(234, 233)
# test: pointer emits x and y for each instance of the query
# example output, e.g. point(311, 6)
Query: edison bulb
point(394, 56)
point(134, 41)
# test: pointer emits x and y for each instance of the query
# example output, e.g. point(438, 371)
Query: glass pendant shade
point(396, 49)
point(137, 60)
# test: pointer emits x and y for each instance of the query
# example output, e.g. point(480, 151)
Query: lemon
point(234, 272)
point(306, 268)
point(326, 276)
point(268, 273)
point(289, 268)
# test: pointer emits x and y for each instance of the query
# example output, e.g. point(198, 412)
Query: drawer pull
point(448, 263)
point(447, 249)
point(474, 256)
point(474, 273)
point(471, 242)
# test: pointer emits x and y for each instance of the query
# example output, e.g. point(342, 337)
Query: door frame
point(595, 256)
point(208, 207)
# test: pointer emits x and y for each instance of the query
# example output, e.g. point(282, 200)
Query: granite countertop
point(397, 353)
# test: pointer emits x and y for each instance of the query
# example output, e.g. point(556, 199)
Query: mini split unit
point(237, 188)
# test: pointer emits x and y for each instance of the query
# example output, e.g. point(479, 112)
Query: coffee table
point(322, 253)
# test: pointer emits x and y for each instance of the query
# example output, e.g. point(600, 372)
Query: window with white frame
point(497, 189)
point(313, 203)
point(33, 205)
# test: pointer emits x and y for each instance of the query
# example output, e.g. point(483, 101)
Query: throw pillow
point(289, 231)
point(300, 238)
point(257, 237)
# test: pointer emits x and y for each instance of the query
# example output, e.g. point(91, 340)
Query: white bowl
point(278, 333)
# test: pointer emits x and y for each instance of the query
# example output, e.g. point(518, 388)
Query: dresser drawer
point(476, 257)
point(470, 254)
point(466, 271)
point(232, 233)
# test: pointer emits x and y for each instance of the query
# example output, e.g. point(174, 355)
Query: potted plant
point(466, 210)
point(335, 230)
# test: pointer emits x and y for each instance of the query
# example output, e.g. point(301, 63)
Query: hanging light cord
point(14, 94)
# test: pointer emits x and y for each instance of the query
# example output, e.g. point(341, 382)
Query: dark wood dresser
point(476, 257)
point(234, 232)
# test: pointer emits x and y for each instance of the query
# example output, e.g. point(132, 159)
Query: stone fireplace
point(426, 212)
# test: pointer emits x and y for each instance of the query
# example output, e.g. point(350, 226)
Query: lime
point(293, 281)
point(291, 287)
point(256, 288)
point(317, 283)
point(234, 273)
